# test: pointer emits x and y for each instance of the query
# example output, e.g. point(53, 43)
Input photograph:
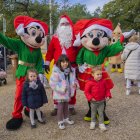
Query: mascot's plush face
point(95, 40)
point(33, 37)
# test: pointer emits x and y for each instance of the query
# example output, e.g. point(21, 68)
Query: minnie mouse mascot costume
point(32, 33)
point(93, 35)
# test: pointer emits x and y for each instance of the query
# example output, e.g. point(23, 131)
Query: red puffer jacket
point(97, 90)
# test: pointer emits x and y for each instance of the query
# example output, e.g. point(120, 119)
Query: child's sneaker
point(92, 125)
point(128, 92)
point(33, 126)
point(68, 121)
point(102, 127)
point(61, 125)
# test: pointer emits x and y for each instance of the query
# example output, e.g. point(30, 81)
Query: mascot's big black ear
point(105, 34)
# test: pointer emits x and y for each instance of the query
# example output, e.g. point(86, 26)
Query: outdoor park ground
point(123, 111)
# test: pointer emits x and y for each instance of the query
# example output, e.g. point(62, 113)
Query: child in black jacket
point(34, 96)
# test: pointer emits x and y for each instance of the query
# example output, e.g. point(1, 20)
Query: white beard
point(64, 34)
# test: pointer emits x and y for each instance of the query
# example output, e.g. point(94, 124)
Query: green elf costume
point(32, 33)
point(93, 35)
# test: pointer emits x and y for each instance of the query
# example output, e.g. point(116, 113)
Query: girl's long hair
point(63, 58)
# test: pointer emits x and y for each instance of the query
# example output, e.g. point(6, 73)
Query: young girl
point(34, 96)
point(96, 92)
point(63, 83)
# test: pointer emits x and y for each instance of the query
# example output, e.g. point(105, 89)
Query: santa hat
point(21, 22)
point(86, 25)
point(66, 18)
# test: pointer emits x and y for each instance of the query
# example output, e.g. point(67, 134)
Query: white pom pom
point(77, 42)
point(20, 30)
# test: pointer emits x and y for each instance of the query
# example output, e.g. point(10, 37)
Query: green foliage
point(40, 10)
point(77, 12)
point(97, 12)
point(126, 12)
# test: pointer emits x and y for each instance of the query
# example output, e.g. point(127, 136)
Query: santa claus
point(61, 43)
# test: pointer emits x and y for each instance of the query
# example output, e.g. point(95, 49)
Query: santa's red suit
point(55, 49)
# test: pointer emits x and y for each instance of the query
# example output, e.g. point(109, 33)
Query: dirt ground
point(123, 111)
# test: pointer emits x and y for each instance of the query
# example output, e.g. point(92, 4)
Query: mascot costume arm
point(113, 49)
point(107, 51)
point(9, 43)
point(117, 47)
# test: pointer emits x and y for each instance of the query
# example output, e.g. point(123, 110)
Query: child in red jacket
point(97, 93)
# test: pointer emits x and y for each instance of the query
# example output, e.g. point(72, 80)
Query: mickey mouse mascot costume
point(93, 35)
point(32, 33)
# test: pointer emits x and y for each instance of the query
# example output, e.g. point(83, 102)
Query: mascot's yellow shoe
point(120, 70)
point(106, 120)
point(87, 118)
point(113, 70)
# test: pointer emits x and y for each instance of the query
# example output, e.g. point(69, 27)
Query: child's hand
point(107, 99)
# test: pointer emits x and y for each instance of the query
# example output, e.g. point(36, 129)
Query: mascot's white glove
point(129, 34)
point(82, 68)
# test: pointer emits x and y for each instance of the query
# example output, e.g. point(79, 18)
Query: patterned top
point(63, 89)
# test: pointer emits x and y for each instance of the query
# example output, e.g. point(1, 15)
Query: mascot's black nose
point(96, 41)
point(38, 39)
